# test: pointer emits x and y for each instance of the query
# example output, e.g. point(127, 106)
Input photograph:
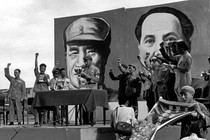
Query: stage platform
point(84, 132)
point(80, 132)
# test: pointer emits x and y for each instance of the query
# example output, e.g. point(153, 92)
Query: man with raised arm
point(17, 92)
point(42, 83)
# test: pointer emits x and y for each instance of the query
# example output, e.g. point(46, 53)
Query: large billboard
point(128, 33)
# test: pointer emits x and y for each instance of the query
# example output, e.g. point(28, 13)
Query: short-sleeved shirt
point(122, 114)
point(40, 83)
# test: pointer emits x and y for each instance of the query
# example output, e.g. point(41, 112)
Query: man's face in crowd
point(56, 74)
point(74, 59)
point(63, 73)
point(157, 28)
point(131, 69)
point(16, 73)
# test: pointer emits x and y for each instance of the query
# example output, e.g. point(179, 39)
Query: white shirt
point(193, 136)
point(123, 114)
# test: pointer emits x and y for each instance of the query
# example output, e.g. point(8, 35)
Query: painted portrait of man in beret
point(86, 36)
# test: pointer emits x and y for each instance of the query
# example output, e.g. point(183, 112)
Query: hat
point(124, 66)
point(187, 89)
point(132, 65)
point(87, 28)
point(153, 58)
point(56, 70)
point(88, 57)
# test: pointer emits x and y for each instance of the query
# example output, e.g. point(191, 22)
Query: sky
point(27, 27)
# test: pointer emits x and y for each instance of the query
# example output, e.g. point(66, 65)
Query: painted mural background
point(124, 43)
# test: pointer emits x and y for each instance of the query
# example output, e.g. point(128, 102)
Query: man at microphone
point(88, 79)
point(89, 74)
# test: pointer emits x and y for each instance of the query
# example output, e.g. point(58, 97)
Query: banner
point(163, 113)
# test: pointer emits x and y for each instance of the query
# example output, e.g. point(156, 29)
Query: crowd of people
point(165, 57)
point(168, 77)
point(89, 77)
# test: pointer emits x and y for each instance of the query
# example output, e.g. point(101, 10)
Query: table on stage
point(90, 98)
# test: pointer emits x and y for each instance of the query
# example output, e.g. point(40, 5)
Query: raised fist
point(8, 64)
point(36, 54)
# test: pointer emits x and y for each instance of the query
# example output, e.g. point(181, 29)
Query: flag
point(163, 113)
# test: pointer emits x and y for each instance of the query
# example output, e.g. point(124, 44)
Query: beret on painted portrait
point(87, 28)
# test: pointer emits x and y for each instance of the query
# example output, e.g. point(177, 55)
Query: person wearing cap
point(162, 72)
point(53, 81)
point(90, 73)
point(121, 78)
point(158, 74)
point(183, 69)
point(86, 36)
point(133, 88)
point(149, 81)
point(88, 79)
point(153, 67)
point(201, 113)
point(53, 87)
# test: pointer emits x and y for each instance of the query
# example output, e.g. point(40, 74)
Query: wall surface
point(124, 43)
